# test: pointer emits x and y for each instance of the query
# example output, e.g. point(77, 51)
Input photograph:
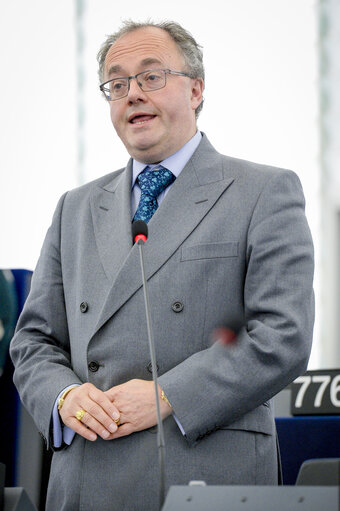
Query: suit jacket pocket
point(210, 251)
point(260, 420)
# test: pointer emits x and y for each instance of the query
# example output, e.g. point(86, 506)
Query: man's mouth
point(141, 119)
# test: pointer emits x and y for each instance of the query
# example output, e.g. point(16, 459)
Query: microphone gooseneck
point(139, 236)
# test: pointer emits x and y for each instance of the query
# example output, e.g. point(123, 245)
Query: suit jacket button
point(149, 367)
point(84, 307)
point(177, 306)
point(93, 366)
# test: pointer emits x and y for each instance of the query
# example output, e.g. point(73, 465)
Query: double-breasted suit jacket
point(229, 239)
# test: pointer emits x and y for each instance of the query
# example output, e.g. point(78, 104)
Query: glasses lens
point(151, 80)
point(117, 88)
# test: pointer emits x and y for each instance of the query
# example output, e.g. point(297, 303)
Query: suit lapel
point(111, 214)
point(192, 196)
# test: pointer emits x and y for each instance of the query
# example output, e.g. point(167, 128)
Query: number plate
point(316, 393)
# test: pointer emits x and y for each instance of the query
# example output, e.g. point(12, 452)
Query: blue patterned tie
point(152, 183)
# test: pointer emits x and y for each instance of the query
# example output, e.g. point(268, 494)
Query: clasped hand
point(132, 405)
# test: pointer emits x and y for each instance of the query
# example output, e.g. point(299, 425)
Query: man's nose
point(135, 92)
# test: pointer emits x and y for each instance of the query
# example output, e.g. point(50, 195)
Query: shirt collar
point(176, 162)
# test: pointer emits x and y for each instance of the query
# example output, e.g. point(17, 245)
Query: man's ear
point(197, 88)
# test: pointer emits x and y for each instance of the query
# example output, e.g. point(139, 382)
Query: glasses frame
point(129, 78)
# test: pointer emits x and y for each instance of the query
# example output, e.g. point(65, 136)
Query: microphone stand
point(160, 431)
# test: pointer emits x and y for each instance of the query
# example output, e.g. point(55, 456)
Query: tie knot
point(154, 182)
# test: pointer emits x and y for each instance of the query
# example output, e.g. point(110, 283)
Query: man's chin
point(146, 153)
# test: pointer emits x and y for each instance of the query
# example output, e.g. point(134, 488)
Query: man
point(229, 238)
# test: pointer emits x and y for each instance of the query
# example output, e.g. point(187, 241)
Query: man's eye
point(117, 86)
point(152, 77)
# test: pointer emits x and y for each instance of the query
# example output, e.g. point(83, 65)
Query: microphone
point(139, 231)
point(139, 236)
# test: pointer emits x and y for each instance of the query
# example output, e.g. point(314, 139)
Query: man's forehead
point(144, 45)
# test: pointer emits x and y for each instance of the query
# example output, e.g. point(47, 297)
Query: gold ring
point(117, 421)
point(80, 414)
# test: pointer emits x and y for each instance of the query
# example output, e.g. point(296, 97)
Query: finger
point(96, 419)
point(112, 393)
point(123, 430)
point(80, 429)
point(105, 403)
point(88, 427)
point(99, 412)
point(118, 390)
point(85, 391)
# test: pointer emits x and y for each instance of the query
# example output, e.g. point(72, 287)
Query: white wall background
point(261, 100)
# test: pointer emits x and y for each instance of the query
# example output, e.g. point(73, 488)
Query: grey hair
point(189, 48)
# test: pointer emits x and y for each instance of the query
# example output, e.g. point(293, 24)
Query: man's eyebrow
point(149, 61)
point(115, 69)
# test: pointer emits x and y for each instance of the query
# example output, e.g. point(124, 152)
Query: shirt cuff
point(179, 424)
point(60, 431)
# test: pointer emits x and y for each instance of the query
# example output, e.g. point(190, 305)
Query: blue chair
point(305, 438)
point(9, 398)
point(8, 313)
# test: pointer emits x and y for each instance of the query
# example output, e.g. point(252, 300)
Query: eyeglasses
point(150, 80)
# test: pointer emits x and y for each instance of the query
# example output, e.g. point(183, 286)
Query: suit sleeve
point(40, 349)
point(218, 386)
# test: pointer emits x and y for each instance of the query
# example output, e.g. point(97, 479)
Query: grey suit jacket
point(230, 238)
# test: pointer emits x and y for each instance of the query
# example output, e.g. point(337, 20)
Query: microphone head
point(139, 231)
